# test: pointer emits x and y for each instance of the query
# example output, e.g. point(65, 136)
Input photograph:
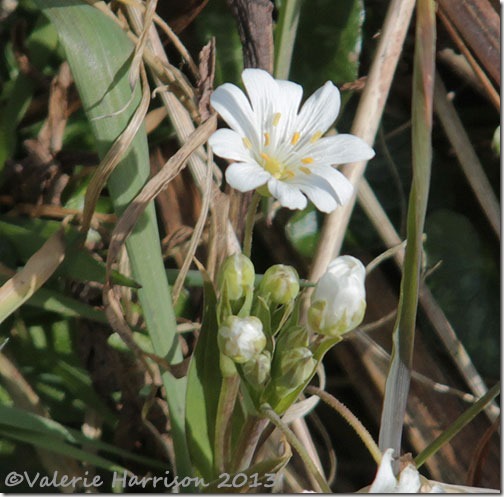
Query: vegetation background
point(61, 363)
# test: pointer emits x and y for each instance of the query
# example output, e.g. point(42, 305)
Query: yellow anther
point(273, 166)
point(307, 160)
point(295, 138)
point(266, 139)
point(276, 118)
point(247, 143)
point(316, 136)
point(288, 174)
point(305, 170)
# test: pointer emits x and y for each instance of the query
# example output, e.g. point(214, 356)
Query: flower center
point(276, 168)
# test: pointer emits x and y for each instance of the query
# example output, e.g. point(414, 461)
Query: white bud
point(241, 339)
point(339, 300)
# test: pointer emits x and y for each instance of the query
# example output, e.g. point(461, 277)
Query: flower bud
point(292, 337)
point(339, 300)
point(281, 282)
point(241, 339)
point(238, 273)
point(257, 371)
point(295, 367)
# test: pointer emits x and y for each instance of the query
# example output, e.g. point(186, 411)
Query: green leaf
point(328, 43)
point(303, 231)
point(99, 54)
point(203, 388)
point(79, 264)
point(40, 45)
point(49, 434)
point(215, 20)
point(398, 378)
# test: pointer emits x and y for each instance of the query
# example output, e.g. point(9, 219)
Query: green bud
point(295, 367)
point(241, 339)
point(338, 303)
point(257, 371)
point(281, 282)
point(238, 273)
point(290, 338)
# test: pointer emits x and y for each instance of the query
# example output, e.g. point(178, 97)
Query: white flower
point(410, 481)
point(241, 339)
point(279, 146)
point(338, 302)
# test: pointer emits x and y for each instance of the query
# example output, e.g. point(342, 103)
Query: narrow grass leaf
point(464, 419)
point(398, 380)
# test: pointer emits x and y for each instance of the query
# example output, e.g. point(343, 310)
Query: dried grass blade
point(37, 270)
point(198, 230)
point(365, 125)
point(150, 10)
point(398, 380)
point(469, 162)
point(115, 154)
point(154, 187)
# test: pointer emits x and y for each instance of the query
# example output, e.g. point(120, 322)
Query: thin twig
point(469, 162)
point(366, 123)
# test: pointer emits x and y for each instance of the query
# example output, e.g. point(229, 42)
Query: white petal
point(319, 111)
point(384, 481)
point(341, 149)
point(246, 176)
point(262, 91)
point(409, 481)
point(289, 99)
point(318, 190)
point(233, 106)
point(339, 182)
point(229, 145)
point(289, 196)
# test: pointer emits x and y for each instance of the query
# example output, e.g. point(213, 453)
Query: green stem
point(286, 36)
point(351, 419)
point(293, 440)
point(249, 224)
point(457, 425)
point(227, 399)
point(247, 443)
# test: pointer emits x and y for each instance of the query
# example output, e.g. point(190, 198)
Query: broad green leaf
point(99, 55)
point(203, 388)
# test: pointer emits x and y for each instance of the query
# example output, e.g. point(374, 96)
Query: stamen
point(266, 157)
point(295, 137)
point(247, 143)
point(305, 170)
point(307, 160)
point(288, 174)
point(266, 139)
point(276, 118)
point(316, 136)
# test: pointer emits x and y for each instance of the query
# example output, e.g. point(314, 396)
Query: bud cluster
point(259, 330)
